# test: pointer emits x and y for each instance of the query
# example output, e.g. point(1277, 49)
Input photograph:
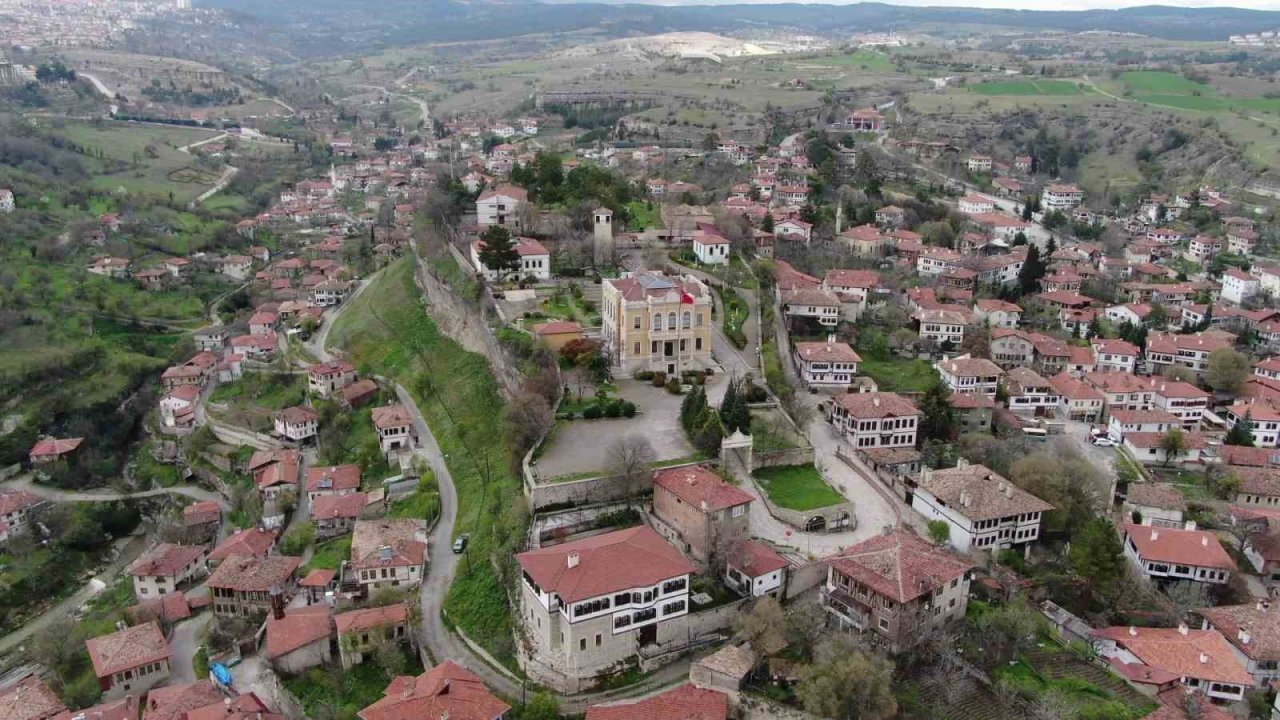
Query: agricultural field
point(862, 59)
point(1027, 87)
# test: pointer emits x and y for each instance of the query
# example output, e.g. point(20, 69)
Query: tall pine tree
point(1241, 434)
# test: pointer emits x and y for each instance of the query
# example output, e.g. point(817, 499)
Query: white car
point(1104, 442)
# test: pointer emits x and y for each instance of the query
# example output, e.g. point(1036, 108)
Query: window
point(657, 322)
point(697, 343)
point(636, 324)
point(884, 624)
point(645, 615)
point(582, 643)
point(621, 621)
point(622, 598)
point(738, 510)
point(597, 639)
point(685, 321)
point(671, 586)
point(671, 320)
point(672, 608)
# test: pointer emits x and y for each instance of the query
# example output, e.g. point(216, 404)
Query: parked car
point(461, 543)
point(1104, 442)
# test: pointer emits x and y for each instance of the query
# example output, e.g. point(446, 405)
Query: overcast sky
point(1021, 4)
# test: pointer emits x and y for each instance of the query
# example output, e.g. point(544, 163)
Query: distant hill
point(408, 21)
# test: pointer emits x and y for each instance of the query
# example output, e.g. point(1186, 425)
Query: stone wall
point(800, 520)
point(605, 488)
point(804, 578)
point(792, 456)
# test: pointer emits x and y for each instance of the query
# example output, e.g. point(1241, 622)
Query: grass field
point(797, 487)
point(388, 332)
point(644, 215)
point(1026, 87)
point(156, 166)
point(899, 375)
point(863, 59)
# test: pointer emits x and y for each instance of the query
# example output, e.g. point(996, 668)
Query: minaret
point(603, 245)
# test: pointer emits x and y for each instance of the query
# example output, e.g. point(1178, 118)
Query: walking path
point(27, 482)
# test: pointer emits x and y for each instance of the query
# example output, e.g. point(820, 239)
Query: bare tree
point(630, 456)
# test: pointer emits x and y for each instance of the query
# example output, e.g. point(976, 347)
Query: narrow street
point(27, 483)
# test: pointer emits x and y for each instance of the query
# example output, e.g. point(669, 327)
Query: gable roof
point(685, 702)
point(127, 649)
point(899, 565)
point(333, 477)
point(399, 536)
point(619, 560)
point(165, 559)
point(1254, 629)
point(298, 628)
point(251, 542)
point(368, 618)
point(876, 405)
point(827, 352)
point(245, 574)
point(391, 416)
point(446, 690)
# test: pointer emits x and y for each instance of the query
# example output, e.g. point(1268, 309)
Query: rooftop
point(298, 628)
point(876, 405)
point(979, 493)
point(165, 559)
point(29, 699)
point(1199, 548)
point(388, 543)
point(602, 564)
point(899, 565)
point(446, 690)
point(685, 702)
point(127, 649)
point(1202, 654)
point(701, 488)
point(249, 574)
point(368, 618)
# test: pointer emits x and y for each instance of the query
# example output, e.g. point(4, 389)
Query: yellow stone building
point(657, 322)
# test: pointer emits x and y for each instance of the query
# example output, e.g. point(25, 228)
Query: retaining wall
point(793, 456)
point(605, 488)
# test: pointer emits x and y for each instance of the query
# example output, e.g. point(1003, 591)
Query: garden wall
point(800, 519)
point(605, 488)
point(793, 456)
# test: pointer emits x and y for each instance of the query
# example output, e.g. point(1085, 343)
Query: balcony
point(850, 611)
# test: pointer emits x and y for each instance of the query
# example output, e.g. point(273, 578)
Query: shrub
point(644, 375)
point(613, 409)
point(628, 408)
point(673, 386)
point(756, 394)
point(592, 413)
point(659, 379)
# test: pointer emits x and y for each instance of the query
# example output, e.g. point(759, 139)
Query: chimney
point(572, 560)
point(1182, 628)
point(875, 401)
point(1155, 534)
point(226, 703)
point(1204, 540)
point(1204, 658)
point(1263, 606)
point(703, 504)
point(1244, 636)
point(277, 603)
point(1190, 525)
point(831, 339)
point(1133, 631)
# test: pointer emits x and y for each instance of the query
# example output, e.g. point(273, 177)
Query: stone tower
point(603, 241)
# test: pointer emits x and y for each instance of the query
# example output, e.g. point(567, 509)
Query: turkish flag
point(686, 299)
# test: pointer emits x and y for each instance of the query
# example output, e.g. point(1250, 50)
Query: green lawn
point(1160, 82)
point(156, 167)
point(735, 313)
point(899, 375)
point(644, 215)
point(1026, 87)
point(797, 487)
point(387, 331)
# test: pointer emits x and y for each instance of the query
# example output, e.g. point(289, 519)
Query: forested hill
point(408, 21)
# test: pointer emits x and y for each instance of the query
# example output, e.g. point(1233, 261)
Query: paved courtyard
point(582, 446)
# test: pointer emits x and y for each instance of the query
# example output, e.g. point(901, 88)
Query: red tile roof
point(446, 690)
point(1201, 654)
point(1199, 548)
point(337, 507)
point(406, 539)
point(127, 649)
point(55, 446)
point(335, 478)
point(900, 565)
point(298, 628)
point(876, 405)
point(165, 559)
point(619, 560)
point(318, 578)
point(682, 703)
point(755, 558)
point(167, 609)
point(827, 352)
point(368, 618)
point(14, 500)
point(700, 488)
point(1254, 629)
point(125, 708)
point(245, 574)
point(556, 327)
point(253, 542)
point(198, 513)
point(391, 416)
point(29, 699)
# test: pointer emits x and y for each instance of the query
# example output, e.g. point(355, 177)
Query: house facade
point(699, 512)
point(656, 322)
point(875, 420)
point(982, 509)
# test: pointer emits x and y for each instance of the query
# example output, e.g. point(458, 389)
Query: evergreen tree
point(1032, 270)
point(498, 252)
point(939, 418)
point(734, 413)
point(691, 408)
point(1050, 248)
point(766, 223)
point(708, 434)
point(1095, 328)
point(1097, 556)
point(1241, 434)
point(1019, 239)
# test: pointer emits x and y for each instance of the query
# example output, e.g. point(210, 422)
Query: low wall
point(800, 519)
point(793, 456)
point(804, 578)
point(605, 488)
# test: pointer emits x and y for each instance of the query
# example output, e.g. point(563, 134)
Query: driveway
point(580, 446)
point(183, 644)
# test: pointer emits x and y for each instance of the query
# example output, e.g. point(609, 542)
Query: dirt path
point(28, 483)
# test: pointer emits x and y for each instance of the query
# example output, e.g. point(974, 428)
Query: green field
point(387, 331)
point(155, 166)
point(899, 375)
point(863, 58)
point(1159, 82)
point(1026, 87)
point(797, 487)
